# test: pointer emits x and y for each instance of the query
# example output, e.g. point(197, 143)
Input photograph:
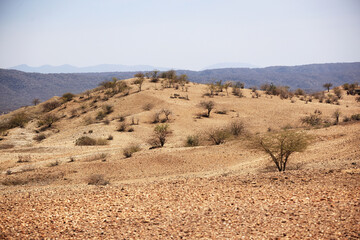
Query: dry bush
point(281, 145)
point(237, 128)
point(223, 111)
point(24, 158)
point(85, 141)
point(156, 117)
point(313, 119)
point(336, 115)
point(18, 120)
point(39, 137)
point(337, 92)
point(66, 97)
point(54, 164)
point(88, 141)
point(192, 141)
point(15, 181)
point(218, 135)
point(167, 113)
point(100, 115)
point(208, 105)
point(6, 146)
point(128, 151)
point(49, 106)
point(122, 127)
point(47, 120)
point(148, 107)
point(97, 179)
point(160, 135)
point(100, 156)
point(355, 117)
point(88, 120)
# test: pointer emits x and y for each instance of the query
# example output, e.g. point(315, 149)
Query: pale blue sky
point(179, 34)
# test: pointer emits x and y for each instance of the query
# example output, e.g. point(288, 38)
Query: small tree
point(327, 86)
point(161, 132)
point(336, 115)
point(281, 145)
point(66, 97)
point(226, 86)
point(36, 101)
point(208, 105)
point(139, 80)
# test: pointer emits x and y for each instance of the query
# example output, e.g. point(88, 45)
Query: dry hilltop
point(91, 166)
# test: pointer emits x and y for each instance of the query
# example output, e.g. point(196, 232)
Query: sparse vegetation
point(88, 141)
point(327, 86)
point(160, 135)
point(35, 101)
point(97, 179)
point(207, 105)
point(39, 137)
point(49, 106)
point(128, 151)
point(336, 115)
point(218, 135)
point(281, 145)
point(139, 80)
point(192, 141)
point(237, 128)
point(66, 97)
point(24, 158)
point(18, 120)
point(313, 119)
point(122, 127)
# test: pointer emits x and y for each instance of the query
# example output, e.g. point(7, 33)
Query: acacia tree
point(36, 101)
point(336, 115)
point(208, 105)
point(139, 80)
point(161, 132)
point(226, 86)
point(281, 145)
point(328, 86)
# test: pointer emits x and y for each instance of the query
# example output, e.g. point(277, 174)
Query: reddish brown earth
point(295, 205)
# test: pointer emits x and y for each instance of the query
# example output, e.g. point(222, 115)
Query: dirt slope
point(213, 191)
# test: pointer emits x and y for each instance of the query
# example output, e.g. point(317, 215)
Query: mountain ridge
point(19, 88)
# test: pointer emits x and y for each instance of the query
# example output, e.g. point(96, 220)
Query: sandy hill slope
point(56, 168)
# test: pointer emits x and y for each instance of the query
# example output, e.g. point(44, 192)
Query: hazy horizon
point(178, 34)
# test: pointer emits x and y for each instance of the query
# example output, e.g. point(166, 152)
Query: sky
point(181, 34)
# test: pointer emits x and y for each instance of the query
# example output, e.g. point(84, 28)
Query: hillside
point(19, 88)
point(230, 190)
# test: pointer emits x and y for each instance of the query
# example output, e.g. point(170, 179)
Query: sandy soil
point(226, 191)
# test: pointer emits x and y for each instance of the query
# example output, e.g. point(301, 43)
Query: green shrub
point(192, 141)
point(161, 132)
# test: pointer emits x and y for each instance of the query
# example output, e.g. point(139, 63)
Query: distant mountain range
point(19, 88)
point(229, 65)
point(66, 68)
point(92, 69)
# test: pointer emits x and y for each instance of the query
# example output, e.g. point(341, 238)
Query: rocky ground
point(318, 204)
